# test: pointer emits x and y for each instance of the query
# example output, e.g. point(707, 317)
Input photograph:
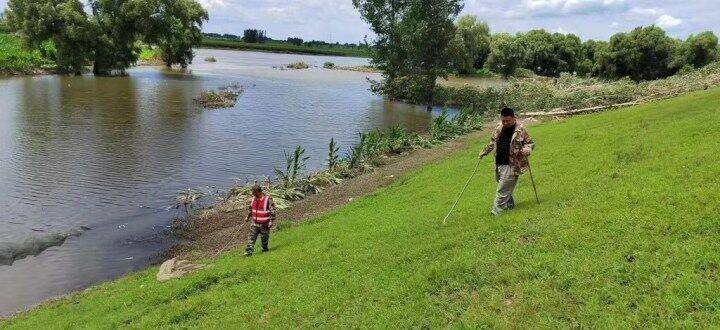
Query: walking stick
point(533, 182)
point(463, 191)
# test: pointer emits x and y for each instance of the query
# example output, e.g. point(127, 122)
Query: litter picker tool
point(533, 182)
point(463, 191)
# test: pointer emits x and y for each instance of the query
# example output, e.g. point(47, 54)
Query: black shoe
point(248, 253)
point(265, 250)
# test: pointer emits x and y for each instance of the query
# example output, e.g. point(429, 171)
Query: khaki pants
point(506, 185)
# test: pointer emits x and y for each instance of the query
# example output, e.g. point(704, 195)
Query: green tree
point(175, 26)
point(643, 54)
point(115, 23)
point(64, 22)
point(471, 45)
point(696, 51)
point(412, 43)
point(506, 54)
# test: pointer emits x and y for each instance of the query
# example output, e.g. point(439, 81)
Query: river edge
point(224, 231)
point(223, 235)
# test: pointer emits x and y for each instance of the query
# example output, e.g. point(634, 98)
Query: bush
point(329, 65)
point(298, 66)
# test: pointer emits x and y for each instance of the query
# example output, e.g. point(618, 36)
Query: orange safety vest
point(260, 209)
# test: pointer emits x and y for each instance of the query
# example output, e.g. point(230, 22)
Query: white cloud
point(564, 7)
point(614, 25)
point(667, 21)
point(212, 3)
point(640, 11)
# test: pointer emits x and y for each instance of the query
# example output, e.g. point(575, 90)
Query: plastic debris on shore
point(174, 268)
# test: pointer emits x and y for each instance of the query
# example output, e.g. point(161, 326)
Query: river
point(105, 157)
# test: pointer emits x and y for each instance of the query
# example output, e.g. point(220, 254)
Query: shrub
point(329, 65)
point(298, 66)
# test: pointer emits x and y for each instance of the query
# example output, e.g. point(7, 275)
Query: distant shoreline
point(281, 48)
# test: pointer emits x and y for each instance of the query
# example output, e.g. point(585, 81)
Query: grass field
point(627, 235)
point(277, 47)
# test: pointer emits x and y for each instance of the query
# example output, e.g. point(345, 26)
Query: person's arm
point(249, 216)
point(527, 143)
point(271, 207)
point(491, 145)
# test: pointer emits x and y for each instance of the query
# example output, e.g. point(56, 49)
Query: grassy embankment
point(277, 47)
point(14, 59)
point(626, 235)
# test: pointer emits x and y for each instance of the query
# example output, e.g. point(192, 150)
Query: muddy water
point(105, 157)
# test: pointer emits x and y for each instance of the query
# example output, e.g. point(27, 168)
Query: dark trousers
point(262, 229)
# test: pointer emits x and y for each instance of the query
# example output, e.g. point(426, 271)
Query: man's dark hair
point(505, 112)
point(256, 188)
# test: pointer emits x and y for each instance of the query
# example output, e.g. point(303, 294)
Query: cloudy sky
point(337, 20)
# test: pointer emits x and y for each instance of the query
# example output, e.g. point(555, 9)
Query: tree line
point(109, 34)
point(645, 53)
point(418, 41)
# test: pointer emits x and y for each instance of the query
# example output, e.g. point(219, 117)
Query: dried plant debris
point(225, 97)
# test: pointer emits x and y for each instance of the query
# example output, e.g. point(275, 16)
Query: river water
point(106, 156)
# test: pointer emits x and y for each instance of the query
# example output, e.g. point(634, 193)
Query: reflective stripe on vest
point(260, 209)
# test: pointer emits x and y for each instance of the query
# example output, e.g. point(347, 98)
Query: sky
point(337, 20)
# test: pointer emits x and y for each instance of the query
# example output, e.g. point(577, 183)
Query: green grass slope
point(628, 234)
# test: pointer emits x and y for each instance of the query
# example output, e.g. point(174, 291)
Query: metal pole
point(463, 190)
point(533, 182)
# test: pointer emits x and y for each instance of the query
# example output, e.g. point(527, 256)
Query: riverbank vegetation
point(224, 97)
point(416, 44)
point(292, 184)
point(109, 36)
point(625, 236)
point(16, 59)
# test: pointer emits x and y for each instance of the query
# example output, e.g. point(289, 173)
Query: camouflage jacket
point(520, 141)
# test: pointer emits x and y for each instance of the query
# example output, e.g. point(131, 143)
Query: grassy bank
point(15, 59)
point(626, 235)
point(277, 47)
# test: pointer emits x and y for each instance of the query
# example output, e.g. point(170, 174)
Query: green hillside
point(628, 234)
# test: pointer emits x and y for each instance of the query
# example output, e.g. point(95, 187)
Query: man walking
point(262, 214)
point(512, 145)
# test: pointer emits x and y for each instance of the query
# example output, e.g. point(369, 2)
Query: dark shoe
point(248, 253)
point(265, 250)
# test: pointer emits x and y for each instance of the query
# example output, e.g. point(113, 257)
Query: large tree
point(175, 26)
point(507, 54)
point(643, 54)
point(412, 43)
point(696, 51)
point(115, 23)
point(471, 45)
point(110, 35)
point(64, 22)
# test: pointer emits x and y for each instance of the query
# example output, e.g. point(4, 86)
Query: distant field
point(283, 48)
point(626, 236)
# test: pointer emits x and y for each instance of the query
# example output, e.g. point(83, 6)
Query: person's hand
point(271, 224)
